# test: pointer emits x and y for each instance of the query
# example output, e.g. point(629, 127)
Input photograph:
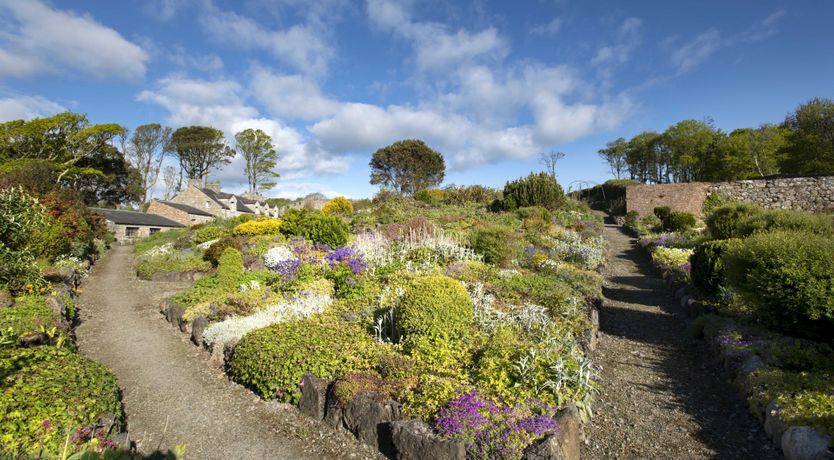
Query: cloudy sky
point(490, 84)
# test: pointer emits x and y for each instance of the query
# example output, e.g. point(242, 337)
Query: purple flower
point(349, 257)
point(288, 268)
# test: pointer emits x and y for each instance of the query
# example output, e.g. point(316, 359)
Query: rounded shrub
point(338, 205)
point(47, 394)
point(27, 316)
point(316, 227)
point(534, 190)
point(707, 269)
point(788, 278)
point(678, 221)
point(208, 233)
point(272, 360)
point(434, 305)
point(723, 222)
point(786, 220)
point(262, 226)
point(430, 196)
point(214, 251)
point(495, 243)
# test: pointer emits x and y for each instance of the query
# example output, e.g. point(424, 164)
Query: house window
point(131, 232)
point(207, 204)
point(154, 230)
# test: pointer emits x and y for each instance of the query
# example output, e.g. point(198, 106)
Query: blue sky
point(490, 84)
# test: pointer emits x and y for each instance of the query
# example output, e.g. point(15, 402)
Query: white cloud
point(693, 53)
point(551, 28)
point(28, 107)
point(302, 46)
point(436, 48)
point(291, 96)
point(626, 39)
point(38, 38)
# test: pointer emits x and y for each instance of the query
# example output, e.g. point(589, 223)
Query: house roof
point(218, 197)
point(136, 218)
point(186, 208)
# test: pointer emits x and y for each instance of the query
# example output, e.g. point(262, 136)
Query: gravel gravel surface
point(662, 395)
point(171, 395)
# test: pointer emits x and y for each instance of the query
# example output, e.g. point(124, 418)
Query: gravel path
point(661, 397)
point(171, 395)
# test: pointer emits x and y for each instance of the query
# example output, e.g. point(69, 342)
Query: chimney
point(195, 182)
point(213, 186)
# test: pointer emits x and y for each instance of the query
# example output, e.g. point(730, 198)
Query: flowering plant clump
point(587, 253)
point(349, 257)
point(672, 258)
point(494, 430)
point(277, 255)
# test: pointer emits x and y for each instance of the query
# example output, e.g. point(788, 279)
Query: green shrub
point(770, 220)
point(534, 212)
point(434, 305)
point(707, 269)
point(632, 219)
point(27, 316)
point(534, 190)
point(430, 196)
point(468, 194)
point(496, 244)
point(663, 213)
point(723, 222)
point(679, 221)
point(47, 384)
point(230, 267)
point(788, 277)
point(316, 227)
point(211, 232)
point(214, 251)
point(609, 196)
point(714, 201)
point(22, 220)
point(272, 360)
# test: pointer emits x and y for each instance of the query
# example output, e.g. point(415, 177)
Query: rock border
point(796, 442)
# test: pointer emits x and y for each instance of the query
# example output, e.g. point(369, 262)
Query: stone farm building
point(197, 204)
point(128, 226)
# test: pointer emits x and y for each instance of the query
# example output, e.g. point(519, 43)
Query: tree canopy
point(407, 166)
point(145, 150)
point(199, 150)
point(256, 148)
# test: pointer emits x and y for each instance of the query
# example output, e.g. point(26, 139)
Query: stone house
point(212, 201)
point(180, 212)
point(129, 226)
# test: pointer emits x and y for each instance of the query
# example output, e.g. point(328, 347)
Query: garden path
point(171, 395)
point(661, 396)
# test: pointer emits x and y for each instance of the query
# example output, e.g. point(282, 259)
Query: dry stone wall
point(815, 194)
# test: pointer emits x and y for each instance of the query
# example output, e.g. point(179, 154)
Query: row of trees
point(66, 151)
point(693, 150)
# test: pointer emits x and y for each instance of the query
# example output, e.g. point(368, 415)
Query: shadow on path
point(661, 395)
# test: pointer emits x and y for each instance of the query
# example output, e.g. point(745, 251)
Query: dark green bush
point(272, 360)
point(468, 194)
point(430, 196)
point(27, 316)
point(723, 222)
point(707, 269)
point(47, 384)
point(534, 190)
point(766, 221)
point(211, 232)
point(496, 244)
point(316, 227)
point(788, 278)
point(679, 221)
point(434, 305)
point(609, 196)
point(663, 213)
point(214, 251)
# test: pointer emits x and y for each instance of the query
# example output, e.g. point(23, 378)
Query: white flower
point(277, 255)
point(207, 244)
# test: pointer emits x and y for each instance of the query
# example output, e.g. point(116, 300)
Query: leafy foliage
point(272, 360)
point(339, 205)
point(208, 233)
point(217, 248)
point(496, 244)
point(200, 149)
point(679, 221)
point(257, 150)
point(434, 305)
point(49, 393)
point(230, 267)
point(723, 222)
point(777, 219)
point(407, 166)
point(707, 267)
point(788, 277)
point(316, 227)
point(28, 315)
point(534, 190)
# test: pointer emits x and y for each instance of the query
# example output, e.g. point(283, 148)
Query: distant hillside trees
point(407, 166)
point(695, 150)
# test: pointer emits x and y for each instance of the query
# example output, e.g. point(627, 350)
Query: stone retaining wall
point(815, 194)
